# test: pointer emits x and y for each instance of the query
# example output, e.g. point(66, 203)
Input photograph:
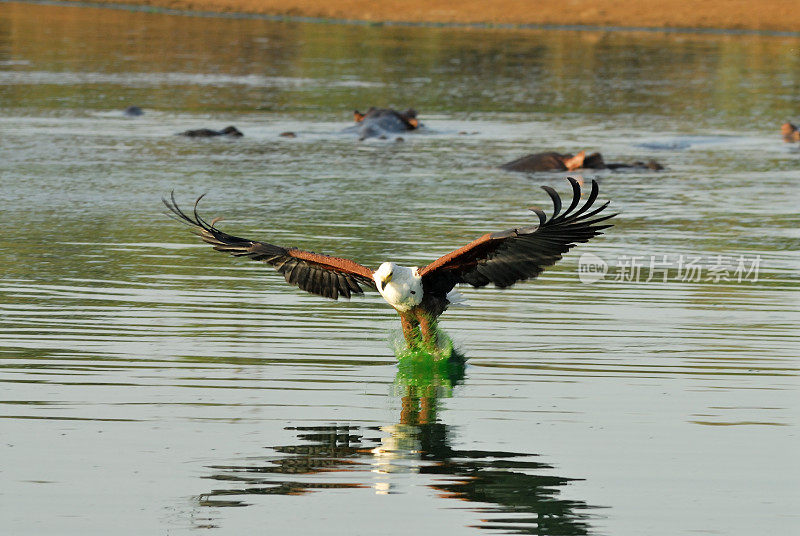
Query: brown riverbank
point(777, 15)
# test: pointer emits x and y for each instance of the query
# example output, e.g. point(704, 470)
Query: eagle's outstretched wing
point(506, 257)
point(326, 276)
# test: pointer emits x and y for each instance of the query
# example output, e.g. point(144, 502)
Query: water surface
point(152, 385)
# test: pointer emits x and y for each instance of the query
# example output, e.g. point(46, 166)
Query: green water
point(153, 386)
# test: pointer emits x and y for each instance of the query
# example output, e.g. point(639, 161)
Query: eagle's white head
point(399, 285)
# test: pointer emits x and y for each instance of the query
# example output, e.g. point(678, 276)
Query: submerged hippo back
point(133, 111)
point(230, 131)
point(538, 162)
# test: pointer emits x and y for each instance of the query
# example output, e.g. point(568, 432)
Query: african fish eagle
point(421, 295)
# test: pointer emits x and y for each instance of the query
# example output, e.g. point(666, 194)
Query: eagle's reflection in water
point(515, 493)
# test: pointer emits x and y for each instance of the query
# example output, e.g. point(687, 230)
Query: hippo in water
point(133, 111)
point(790, 132)
point(231, 132)
point(384, 122)
point(552, 161)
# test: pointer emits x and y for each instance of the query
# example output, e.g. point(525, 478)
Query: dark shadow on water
point(514, 493)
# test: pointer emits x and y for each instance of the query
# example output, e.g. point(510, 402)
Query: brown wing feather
point(330, 277)
point(507, 257)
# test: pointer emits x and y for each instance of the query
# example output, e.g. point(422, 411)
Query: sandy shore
point(772, 15)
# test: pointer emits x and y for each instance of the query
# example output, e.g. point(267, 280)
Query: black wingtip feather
point(590, 201)
point(556, 200)
point(540, 213)
point(576, 195)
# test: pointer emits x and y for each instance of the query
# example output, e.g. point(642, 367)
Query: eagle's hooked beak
point(385, 279)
